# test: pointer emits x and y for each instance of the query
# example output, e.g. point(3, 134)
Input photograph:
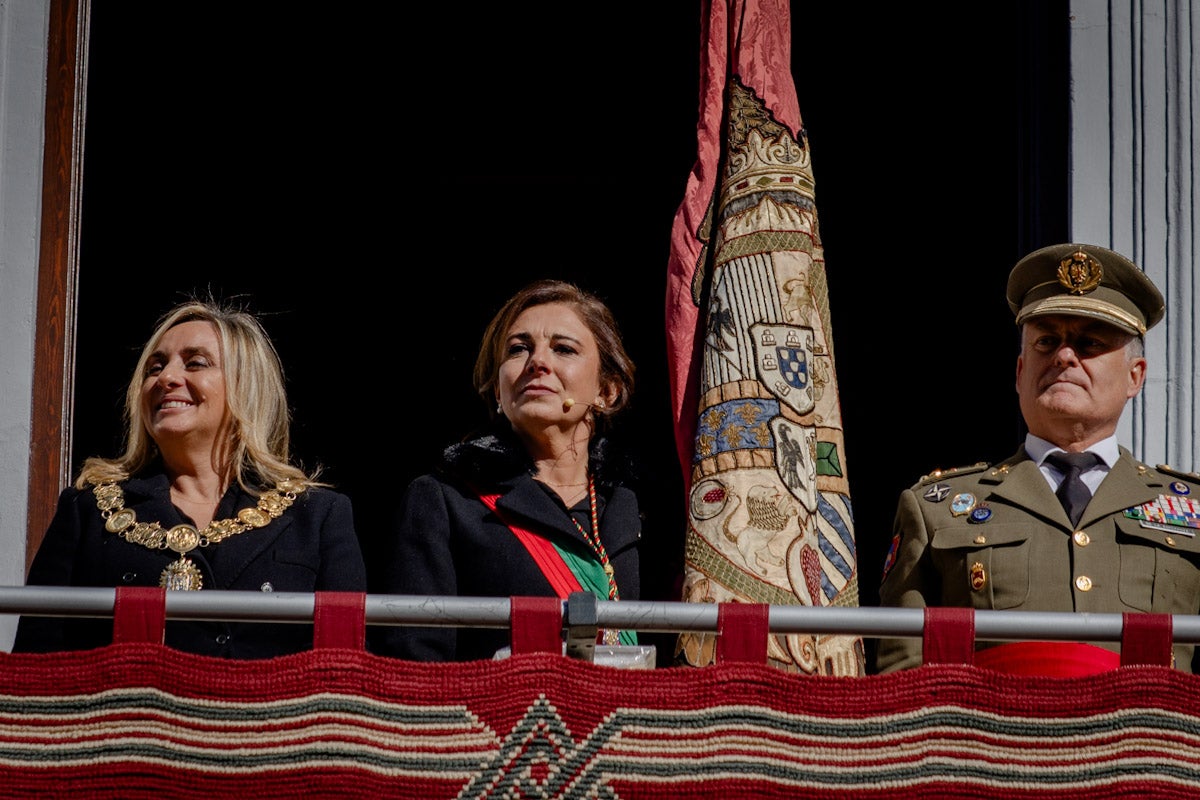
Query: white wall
point(23, 32)
point(1133, 179)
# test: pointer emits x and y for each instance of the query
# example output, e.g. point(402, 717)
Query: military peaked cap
point(1084, 280)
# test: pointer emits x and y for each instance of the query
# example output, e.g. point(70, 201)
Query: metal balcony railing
point(584, 610)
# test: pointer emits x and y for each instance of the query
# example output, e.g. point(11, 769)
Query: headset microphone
point(569, 403)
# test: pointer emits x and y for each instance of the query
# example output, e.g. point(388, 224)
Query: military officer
point(997, 536)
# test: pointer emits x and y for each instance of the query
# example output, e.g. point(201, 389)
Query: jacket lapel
point(526, 501)
point(239, 551)
point(1125, 486)
point(150, 499)
point(1021, 483)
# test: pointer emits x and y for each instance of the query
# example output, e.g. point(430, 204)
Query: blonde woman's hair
point(257, 453)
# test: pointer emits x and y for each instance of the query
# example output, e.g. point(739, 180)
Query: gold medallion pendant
point(183, 574)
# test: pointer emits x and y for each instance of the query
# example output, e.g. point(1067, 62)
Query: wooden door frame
point(54, 327)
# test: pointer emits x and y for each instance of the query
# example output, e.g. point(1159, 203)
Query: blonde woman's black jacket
point(445, 541)
point(311, 547)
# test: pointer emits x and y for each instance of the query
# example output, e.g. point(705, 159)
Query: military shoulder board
point(938, 474)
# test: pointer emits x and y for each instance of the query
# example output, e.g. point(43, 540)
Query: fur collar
point(496, 454)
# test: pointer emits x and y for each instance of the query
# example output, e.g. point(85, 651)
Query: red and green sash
point(565, 570)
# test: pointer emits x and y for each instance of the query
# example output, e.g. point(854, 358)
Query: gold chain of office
point(183, 574)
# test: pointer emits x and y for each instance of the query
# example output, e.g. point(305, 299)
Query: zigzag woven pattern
point(141, 720)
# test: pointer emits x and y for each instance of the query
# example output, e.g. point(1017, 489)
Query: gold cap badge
point(1079, 273)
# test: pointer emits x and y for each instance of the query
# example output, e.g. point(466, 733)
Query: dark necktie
point(1073, 493)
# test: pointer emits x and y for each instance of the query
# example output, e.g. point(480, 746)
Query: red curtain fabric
point(140, 720)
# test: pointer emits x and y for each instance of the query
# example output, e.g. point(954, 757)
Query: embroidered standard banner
point(754, 393)
point(140, 720)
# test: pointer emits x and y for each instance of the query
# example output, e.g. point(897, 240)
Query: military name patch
point(1168, 512)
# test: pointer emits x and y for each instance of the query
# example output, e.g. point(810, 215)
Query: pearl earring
point(499, 408)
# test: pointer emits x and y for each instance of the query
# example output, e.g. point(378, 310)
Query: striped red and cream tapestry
point(140, 720)
point(750, 350)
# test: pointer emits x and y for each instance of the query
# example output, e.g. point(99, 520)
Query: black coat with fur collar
point(445, 541)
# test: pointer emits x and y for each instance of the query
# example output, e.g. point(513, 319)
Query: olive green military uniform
point(996, 537)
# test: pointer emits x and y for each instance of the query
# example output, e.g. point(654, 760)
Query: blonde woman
point(205, 495)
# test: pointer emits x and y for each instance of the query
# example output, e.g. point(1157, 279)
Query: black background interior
point(375, 183)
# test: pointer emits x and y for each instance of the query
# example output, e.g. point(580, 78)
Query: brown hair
point(616, 368)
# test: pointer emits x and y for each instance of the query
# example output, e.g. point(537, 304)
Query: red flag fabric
point(753, 387)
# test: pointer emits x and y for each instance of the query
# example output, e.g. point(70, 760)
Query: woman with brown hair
point(537, 504)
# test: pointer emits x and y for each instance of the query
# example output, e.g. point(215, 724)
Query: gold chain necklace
point(593, 538)
point(183, 573)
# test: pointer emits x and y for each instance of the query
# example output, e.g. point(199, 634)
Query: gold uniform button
point(1083, 583)
point(1082, 539)
point(1170, 540)
point(980, 540)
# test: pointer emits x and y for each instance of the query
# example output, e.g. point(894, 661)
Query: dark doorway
point(375, 186)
